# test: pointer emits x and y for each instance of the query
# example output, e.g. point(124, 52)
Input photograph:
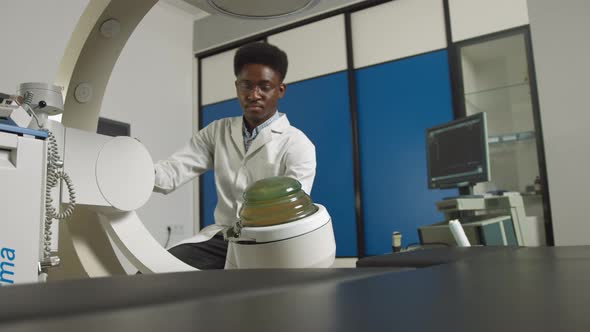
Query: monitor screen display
point(457, 153)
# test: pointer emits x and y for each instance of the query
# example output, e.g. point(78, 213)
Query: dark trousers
point(208, 255)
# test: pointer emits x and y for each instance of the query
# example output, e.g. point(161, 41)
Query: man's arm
point(193, 159)
point(301, 162)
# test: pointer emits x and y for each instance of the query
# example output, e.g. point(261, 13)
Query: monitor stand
point(465, 191)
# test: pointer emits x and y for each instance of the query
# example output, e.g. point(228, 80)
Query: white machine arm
point(114, 177)
point(138, 245)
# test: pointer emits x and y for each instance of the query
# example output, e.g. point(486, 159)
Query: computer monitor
point(457, 153)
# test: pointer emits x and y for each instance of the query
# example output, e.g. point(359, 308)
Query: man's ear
point(282, 89)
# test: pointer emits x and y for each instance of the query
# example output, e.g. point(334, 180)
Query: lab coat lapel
point(237, 135)
point(265, 136)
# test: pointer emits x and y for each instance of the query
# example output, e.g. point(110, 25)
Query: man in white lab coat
point(241, 150)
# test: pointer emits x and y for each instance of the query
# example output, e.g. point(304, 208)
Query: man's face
point(259, 88)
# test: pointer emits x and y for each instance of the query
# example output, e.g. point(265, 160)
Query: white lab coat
point(279, 149)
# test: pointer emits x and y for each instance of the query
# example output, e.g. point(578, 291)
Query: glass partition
point(495, 74)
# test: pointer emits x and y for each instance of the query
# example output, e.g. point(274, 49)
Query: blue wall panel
point(319, 107)
point(209, 114)
point(397, 101)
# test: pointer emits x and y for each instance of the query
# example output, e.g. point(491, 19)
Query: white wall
point(472, 18)
point(561, 51)
point(35, 36)
point(217, 74)
point(314, 49)
point(397, 29)
point(151, 88)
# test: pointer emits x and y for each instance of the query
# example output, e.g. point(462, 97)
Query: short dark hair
point(264, 54)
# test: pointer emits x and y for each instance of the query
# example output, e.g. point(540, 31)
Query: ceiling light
point(261, 9)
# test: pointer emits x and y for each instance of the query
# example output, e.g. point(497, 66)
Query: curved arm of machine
point(110, 179)
point(114, 177)
point(138, 245)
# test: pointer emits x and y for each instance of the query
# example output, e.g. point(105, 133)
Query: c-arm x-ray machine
point(114, 177)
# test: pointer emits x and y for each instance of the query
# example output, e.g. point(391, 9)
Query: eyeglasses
point(248, 87)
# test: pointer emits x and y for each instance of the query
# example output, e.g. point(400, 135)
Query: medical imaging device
point(458, 156)
point(69, 195)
